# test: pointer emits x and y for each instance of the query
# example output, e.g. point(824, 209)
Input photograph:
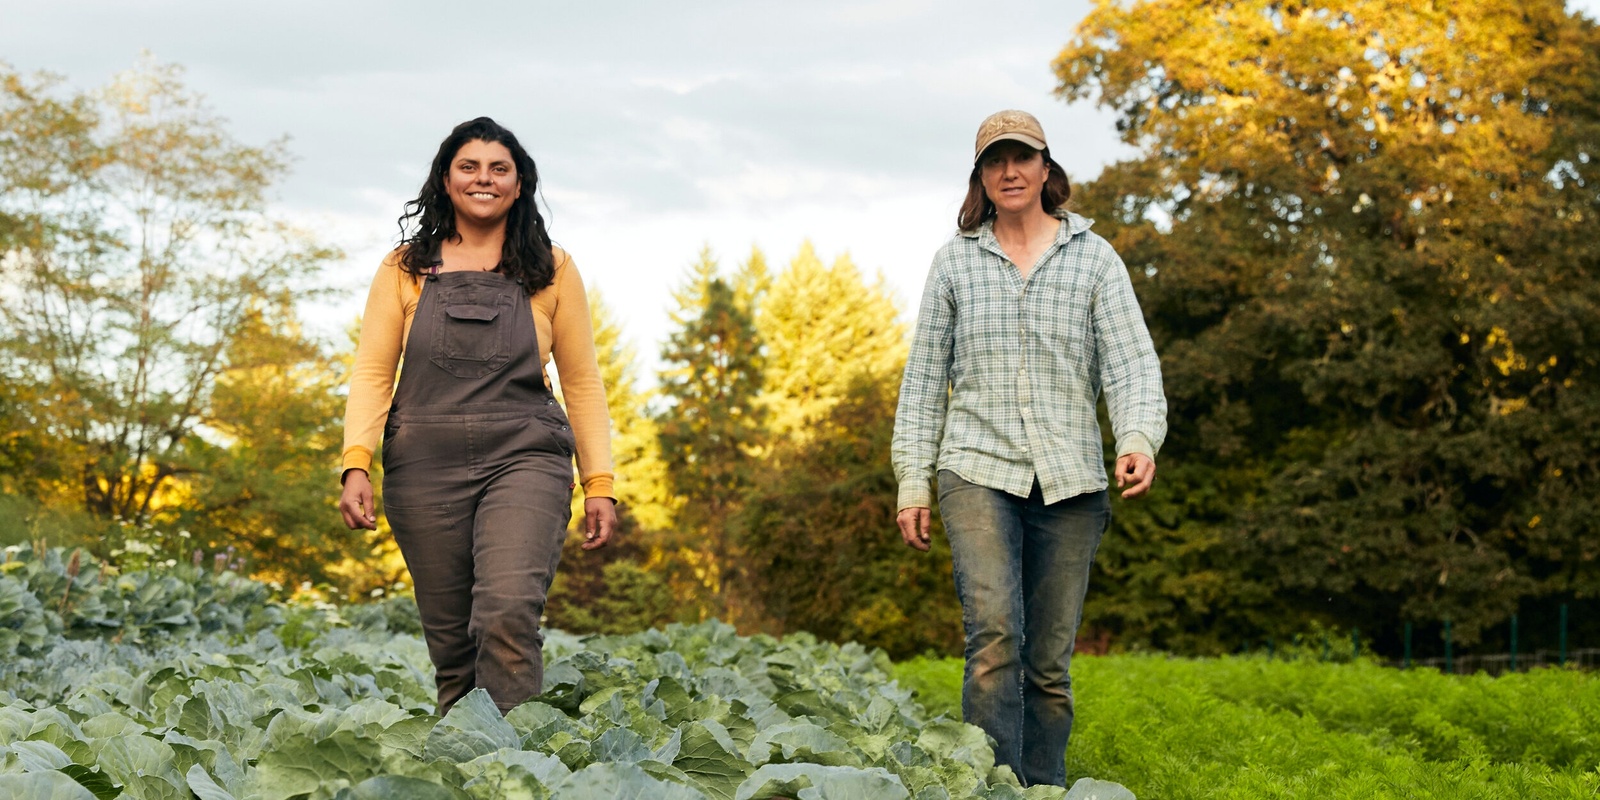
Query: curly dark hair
point(430, 220)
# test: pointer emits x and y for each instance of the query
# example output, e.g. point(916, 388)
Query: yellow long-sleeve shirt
point(561, 319)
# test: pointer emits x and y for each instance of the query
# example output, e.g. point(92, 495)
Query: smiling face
point(1013, 175)
point(482, 183)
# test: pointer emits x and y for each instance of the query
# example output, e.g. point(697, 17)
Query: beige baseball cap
point(1010, 124)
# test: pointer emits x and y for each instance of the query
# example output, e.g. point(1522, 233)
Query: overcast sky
point(657, 127)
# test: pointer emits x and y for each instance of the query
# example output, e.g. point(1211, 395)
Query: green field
point(1247, 728)
point(182, 683)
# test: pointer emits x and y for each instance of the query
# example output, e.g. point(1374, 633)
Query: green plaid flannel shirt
point(1003, 376)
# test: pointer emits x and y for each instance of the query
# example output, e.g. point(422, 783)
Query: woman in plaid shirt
point(1025, 318)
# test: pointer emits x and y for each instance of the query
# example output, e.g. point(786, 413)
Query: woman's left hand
point(599, 520)
point(1136, 471)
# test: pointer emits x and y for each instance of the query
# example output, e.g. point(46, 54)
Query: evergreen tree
point(635, 447)
point(818, 532)
point(619, 588)
point(752, 282)
point(824, 329)
point(710, 424)
point(816, 524)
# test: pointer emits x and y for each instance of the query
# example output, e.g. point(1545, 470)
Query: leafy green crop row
point(279, 702)
point(46, 593)
point(1548, 716)
point(1248, 728)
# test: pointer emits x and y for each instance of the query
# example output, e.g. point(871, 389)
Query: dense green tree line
point(767, 485)
point(1361, 233)
point(157, 393)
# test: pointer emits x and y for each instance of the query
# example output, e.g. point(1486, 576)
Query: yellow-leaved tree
point(1363, 233)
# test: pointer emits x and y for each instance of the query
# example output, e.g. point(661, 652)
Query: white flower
point(378, 592)
point(14, 549)
point(171, 562)
point(136, 546)
point(183, 534)
point(305, 586)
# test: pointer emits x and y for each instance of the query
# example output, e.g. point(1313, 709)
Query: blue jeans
point(1021, 570)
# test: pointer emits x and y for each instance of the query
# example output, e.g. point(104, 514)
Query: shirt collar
point(1076, 224)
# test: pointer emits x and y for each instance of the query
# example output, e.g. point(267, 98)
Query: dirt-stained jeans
point(1021, 570)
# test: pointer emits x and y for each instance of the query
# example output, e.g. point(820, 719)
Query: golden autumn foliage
point(1363, 234)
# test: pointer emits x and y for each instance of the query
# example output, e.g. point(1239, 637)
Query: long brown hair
point(978, 208)
point(430, 219)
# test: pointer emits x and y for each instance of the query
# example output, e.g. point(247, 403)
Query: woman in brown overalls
point(477, 454)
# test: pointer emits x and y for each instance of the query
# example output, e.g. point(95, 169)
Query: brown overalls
point(477, 460)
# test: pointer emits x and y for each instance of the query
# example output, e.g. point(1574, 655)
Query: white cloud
point(657, 127)
point(682, 84)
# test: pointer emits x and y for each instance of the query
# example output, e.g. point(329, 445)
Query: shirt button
point(1023, 372)
point(1025, 411)
point(563, 427)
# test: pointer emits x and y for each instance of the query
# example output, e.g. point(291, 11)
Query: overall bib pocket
point(471, 334)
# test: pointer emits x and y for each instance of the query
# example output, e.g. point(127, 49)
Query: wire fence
point(1501, 663)
point(1587, 658)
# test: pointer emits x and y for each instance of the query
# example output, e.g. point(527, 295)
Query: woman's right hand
point(914, 523)
point(356, 501)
